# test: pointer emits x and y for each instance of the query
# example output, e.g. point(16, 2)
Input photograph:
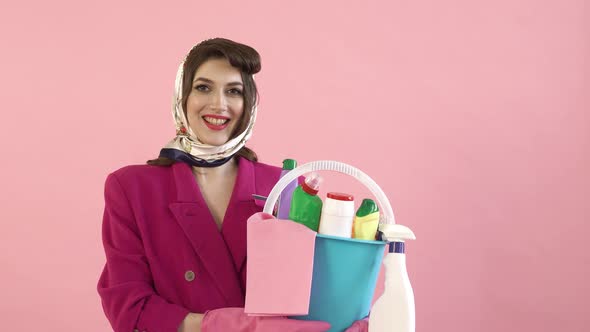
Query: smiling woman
point(174, 231)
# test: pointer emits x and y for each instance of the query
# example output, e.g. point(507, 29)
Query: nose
point(218, 101)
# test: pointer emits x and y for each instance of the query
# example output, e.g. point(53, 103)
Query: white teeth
point(214, 121)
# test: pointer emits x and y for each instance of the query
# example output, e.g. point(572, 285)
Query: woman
point(174, 231)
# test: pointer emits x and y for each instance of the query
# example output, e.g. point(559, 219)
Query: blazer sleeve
point(126, 285)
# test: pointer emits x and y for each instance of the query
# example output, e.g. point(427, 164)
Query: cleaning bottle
point(337, 215)
point(287, 194)
point(306, 206)
point(394, 310)
point(366, 221)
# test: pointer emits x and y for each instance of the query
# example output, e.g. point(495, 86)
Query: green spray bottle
point(306, 206)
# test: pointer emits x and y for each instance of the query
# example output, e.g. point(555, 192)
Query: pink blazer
point(165, 256)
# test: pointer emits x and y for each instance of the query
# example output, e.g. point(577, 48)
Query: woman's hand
point(234, 319)
point(191, 323)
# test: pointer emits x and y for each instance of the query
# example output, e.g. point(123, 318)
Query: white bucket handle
point(387, 216)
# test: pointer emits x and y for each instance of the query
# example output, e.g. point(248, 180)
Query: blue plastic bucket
point(345, 274)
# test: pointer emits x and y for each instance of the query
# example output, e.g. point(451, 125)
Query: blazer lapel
point(193, 216)
point(241, 207)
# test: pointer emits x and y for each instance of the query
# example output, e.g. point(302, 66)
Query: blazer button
point(189, 275)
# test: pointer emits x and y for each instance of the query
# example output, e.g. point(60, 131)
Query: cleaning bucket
point(345, 270)
point(344, 278)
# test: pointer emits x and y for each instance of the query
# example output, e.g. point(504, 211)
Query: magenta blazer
point(165, 256)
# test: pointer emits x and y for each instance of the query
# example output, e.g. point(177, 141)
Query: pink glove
point(234, 319)
point(359, 326)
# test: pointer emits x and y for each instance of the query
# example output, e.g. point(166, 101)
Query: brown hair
point(241, 56)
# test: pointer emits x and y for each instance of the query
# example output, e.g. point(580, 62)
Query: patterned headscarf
point(187, 147)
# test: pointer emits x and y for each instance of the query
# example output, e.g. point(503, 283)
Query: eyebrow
point(211, 82)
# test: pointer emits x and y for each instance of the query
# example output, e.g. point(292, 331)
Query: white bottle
point(337, 215)
point(394, 311)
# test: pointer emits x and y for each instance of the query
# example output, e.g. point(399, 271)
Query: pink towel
point(280, 266)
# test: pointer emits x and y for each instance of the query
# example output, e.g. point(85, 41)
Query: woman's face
point(216, 102)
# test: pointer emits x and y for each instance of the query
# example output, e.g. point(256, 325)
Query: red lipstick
point(214, 126)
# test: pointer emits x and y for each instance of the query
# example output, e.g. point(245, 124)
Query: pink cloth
point(359, 326)
point(235, 320)
point(165, 256)
point(280, 267)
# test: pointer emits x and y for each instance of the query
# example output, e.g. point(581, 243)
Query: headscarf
point(187, 147)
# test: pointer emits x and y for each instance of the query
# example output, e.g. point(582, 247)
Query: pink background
point(473, 117)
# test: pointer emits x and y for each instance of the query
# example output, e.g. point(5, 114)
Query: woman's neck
point(228, 168)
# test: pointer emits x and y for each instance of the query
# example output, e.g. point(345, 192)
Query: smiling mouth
point(215, 121)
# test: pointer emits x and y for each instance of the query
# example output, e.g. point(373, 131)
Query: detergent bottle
point(306, 206)
point(287, 194)
point(337, 215)
point(394, 311)
point(366, 221)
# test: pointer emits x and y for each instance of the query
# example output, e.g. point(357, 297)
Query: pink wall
point(472, 117)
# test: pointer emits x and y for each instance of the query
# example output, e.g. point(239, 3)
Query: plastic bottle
point(306, 206)
point(366, 220)
point(287, 194)
point(395, 310)
point(337, 215)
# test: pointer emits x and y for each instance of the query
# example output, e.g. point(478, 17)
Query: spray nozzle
point(395, 233)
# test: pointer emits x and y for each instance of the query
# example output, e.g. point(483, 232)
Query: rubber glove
point(359, 326)
point(234, 319)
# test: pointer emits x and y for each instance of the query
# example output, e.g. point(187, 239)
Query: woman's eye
point(235, 91)
point(202, 87)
